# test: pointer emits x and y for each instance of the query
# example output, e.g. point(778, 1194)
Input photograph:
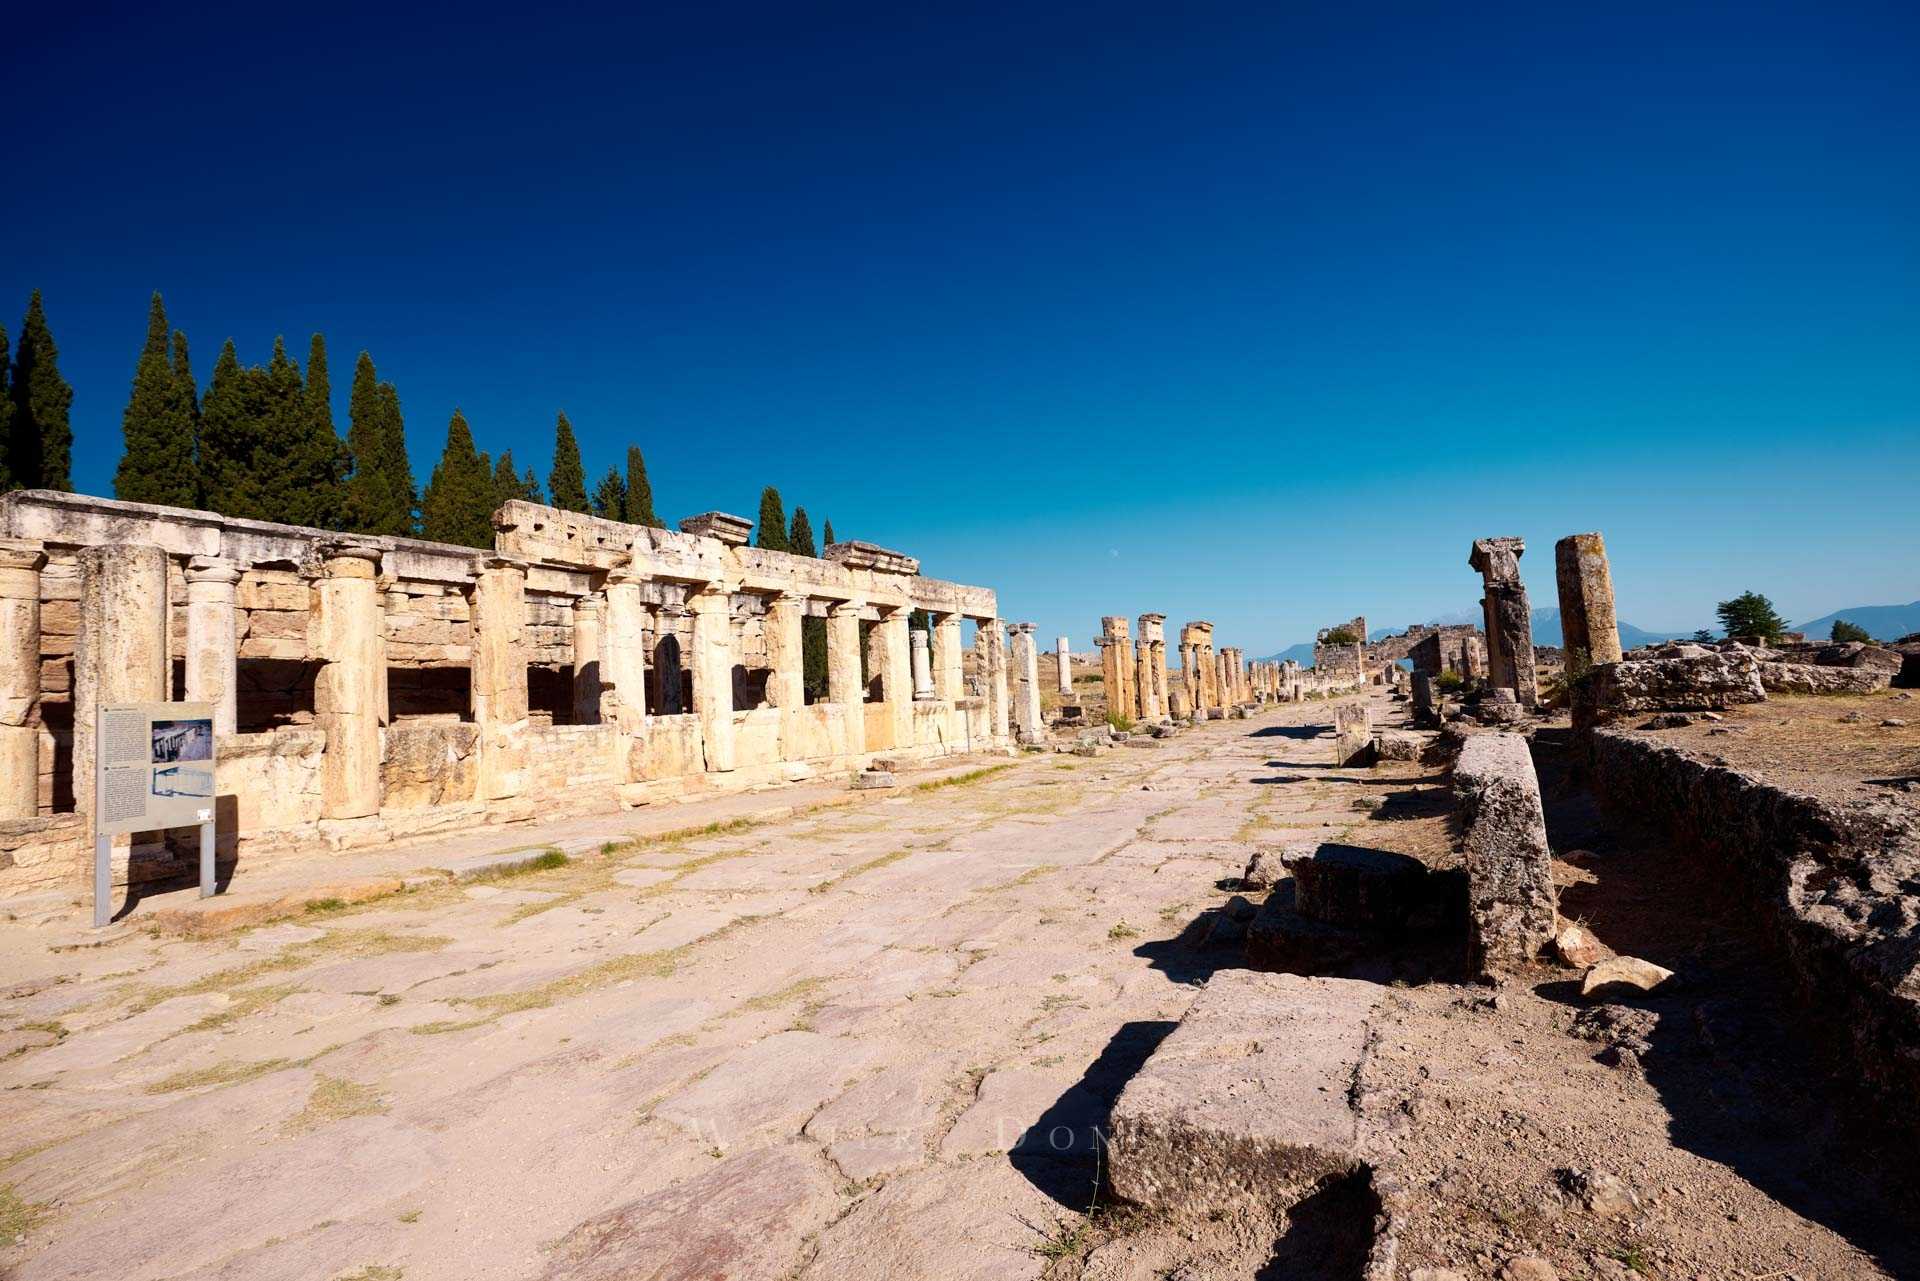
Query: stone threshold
point(286, 886)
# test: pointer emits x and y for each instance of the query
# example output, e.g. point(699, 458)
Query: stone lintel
point(859, 555)
point(724, 527)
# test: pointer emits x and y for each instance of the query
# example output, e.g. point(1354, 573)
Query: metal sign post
point(153, 770)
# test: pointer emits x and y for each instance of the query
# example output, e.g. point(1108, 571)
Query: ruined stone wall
point(368, 689)
point(1830, 880)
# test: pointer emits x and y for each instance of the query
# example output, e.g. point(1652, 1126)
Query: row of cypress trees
point(36, 434)
point(262, 445)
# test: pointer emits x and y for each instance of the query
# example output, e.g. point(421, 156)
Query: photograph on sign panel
point(182, 741)
point(182, 780)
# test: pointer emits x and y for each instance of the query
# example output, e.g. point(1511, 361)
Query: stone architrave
point(1590, 631)
point(20, 564)
point(499, 677)
point(712, 611)
point(588, 619)
point(923, 690)
point(1063, 669)
point(1511, 912)
point(212, 639)
point(1117, 665)
point(1509, 618)
point(347, 637)
point(844, 687)
point(1026, 665)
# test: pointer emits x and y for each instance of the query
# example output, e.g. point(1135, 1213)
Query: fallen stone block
point(1808, 678)
point(1708, 681)
point(1576, 946)
point(1358, 888)
point(1511, 906)
point(1398, 745)
point(1352, 734)
point(1624, 972)
point(1248, 1097)
point(872, 778)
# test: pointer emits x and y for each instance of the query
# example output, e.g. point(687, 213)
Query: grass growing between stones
point(231, 1072)
point(335, 944)
point(615, 969)
point(872, 864)
point(18, 1217)
point(335, 1099)
point(961, 780)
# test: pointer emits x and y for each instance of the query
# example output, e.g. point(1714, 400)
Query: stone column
point(347, 636)
point(1189, 676)
point(1143, 679)
point(713, 673)
point(500, 675)
point(120, 655)
point(20, 564)
point(588, 619)
point(843, 674)
point(212, 639)
point(1116, 665)
point(623, 653)
point(1063, 662)
point(1153, 693)
point(991, 639)
point(786, 658)
point(895, 669)
point(1509, 619)
point(1026, 665)
point(922, 667)
point(1591, 632)
point(949, 679)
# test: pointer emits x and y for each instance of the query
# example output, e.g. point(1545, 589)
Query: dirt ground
point(1834, 746)
point(883, 1043)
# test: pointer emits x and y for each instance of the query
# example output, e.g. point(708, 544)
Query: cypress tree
point(297, 457)
point(773, 521)
point(40, 437)
point(365, 486)
point(6, 407)
point(813, 631)
point(190, 400)
point(396, 471)
point(568, 480)
point(508, 484)
point(458, 505)
point(157, 465)
point(610, 496)
point(640, 492)
point(227, 429)
point(830, 538)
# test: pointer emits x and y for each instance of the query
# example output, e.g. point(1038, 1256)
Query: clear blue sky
point(1258, 313)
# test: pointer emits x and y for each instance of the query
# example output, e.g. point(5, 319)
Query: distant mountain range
point(1882, 622)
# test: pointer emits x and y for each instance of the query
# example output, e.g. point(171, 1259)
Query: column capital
point(917, 638)
point(350, 560)
point(212, 569)
point(846, 609)
point(1025, 629)
point(589, 604)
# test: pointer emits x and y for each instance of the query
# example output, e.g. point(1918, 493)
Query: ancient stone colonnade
point(373, 688)
point(1134, 673)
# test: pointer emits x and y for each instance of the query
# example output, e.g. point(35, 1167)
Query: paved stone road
point(862, 1043)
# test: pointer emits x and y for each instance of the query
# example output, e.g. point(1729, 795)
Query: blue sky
point(1252, 313)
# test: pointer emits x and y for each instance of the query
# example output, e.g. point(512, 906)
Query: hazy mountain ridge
point(1882, 622)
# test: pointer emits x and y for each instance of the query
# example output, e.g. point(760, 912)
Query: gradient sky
point(1256, 313)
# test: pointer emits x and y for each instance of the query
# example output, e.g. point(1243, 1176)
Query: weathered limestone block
point(1397, 745)
point(1352, 734)
point(1711, 680)
point(213, 638)
point(122, 651)
point(349, 689)
point(1426, 700)
point(429, 764)
point(1807, 678)
point(1590, 631)
point(1358, 888)
point(20, 564)
point(1248, 1098)
point(272, 590)
point(1511, 904)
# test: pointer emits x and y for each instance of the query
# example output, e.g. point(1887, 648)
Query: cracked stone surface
point(863, 1043)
